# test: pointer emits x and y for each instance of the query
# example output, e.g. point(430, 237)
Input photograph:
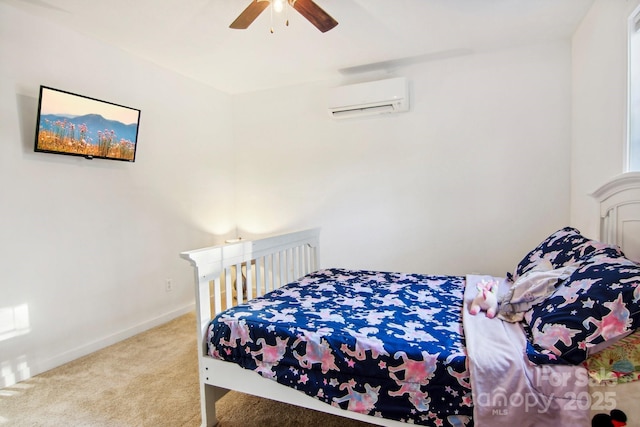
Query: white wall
point(86, 246)
point(599, 77)
point(469, 180)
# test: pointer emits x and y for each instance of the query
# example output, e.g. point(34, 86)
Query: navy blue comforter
point(384, 344)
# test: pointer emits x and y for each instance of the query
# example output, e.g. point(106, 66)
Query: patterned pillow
point(599, 303)
point(563, 247)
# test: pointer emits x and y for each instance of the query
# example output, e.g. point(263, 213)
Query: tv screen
point(81, 126)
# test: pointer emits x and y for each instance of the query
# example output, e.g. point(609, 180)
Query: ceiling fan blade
point(314, 14)
point(249, 14)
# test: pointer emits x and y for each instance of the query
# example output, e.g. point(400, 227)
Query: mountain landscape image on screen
point(89, 135)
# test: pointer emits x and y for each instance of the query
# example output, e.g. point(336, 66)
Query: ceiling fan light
point(307, 8)
point(278, 5)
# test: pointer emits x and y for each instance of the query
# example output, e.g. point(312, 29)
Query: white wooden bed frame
point(254, 266)
point(258, 266)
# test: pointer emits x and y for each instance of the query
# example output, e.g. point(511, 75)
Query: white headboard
point(249, 268)
point(619, 201)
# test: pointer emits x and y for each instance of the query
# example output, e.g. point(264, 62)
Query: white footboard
point(227, 275)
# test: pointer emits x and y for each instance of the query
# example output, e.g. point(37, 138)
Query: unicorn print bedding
point(388, 344)
point(405, 346)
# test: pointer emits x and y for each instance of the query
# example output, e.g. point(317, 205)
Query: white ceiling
point(192, 37)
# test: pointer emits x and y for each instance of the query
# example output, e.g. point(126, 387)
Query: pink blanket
point(509, 390)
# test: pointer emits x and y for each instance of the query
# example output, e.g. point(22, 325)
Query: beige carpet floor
point(148, 380)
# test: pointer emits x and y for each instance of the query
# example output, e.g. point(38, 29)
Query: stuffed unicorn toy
point(486, 299)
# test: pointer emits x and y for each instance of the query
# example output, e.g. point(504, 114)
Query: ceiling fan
point(307, 8)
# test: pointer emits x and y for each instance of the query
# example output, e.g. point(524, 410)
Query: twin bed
point(397, 348)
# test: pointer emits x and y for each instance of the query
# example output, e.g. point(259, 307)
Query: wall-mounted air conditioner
point(365, 99)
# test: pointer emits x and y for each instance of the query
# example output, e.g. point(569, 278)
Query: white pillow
point(532, 288)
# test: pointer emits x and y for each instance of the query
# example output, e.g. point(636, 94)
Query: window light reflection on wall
point(14, 321)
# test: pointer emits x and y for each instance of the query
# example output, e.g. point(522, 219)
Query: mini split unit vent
point(366, 99)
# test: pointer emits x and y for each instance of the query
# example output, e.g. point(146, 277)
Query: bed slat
point(217, 295)
point(249, 280)
point(259, 276)
point(227, 288)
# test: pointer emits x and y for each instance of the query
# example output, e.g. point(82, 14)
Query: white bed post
point(207, 267)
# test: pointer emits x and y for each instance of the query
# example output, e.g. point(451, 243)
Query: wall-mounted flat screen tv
point(81, 126)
